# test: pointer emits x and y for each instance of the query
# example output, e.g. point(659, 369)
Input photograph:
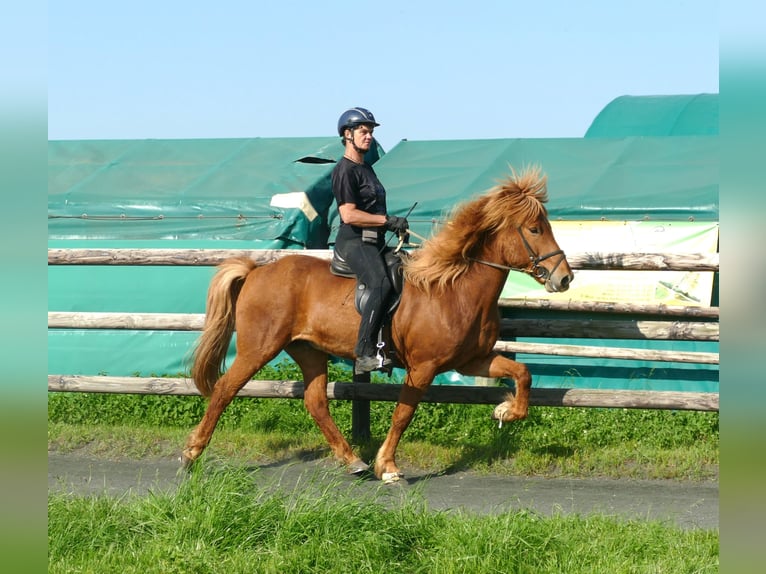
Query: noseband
point(534, 268)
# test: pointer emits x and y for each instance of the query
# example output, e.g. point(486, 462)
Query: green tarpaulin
point(271, 192)
point(676, 115)
point(640, 178)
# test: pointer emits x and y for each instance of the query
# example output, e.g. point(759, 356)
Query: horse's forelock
point(519, 199)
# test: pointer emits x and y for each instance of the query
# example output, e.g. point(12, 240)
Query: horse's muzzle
point(556, 284)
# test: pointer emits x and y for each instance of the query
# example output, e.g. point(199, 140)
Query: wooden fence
point(658, 322)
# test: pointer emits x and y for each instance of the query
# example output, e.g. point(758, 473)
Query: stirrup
point(379, 350)
point(370, 363)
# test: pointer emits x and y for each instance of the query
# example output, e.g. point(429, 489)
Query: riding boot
point(369, 357)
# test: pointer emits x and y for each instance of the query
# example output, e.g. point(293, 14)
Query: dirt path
point(686, 504)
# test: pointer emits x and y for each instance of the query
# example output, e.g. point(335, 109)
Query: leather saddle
point(393, 260)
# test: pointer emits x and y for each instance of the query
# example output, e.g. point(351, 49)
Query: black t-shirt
point(357, 183)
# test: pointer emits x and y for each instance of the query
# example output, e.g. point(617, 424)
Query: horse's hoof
point(499, 414)
point(358, 467)
point(391, 477)
point(186, 461)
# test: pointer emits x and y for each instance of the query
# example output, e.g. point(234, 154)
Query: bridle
point(534, 268)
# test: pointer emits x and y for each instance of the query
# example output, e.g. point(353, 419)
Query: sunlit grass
point(552, 441)
point(519, 451)
point(219, 520)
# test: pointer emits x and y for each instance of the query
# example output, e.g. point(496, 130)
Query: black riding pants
point(366, 261)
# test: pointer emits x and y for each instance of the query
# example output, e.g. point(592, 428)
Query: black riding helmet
point(354, 118)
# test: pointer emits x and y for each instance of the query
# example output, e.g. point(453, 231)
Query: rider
point(360, 241)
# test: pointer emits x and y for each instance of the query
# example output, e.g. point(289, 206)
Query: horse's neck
point(483, 283)
point(478, 288)
point(490, 271)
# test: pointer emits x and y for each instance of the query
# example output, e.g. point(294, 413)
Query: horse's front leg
point(409, 398)
point(497, 366)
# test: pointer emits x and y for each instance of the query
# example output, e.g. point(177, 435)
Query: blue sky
point(428, 70)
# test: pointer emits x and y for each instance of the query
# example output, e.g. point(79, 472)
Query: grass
point(552, 441)
point(617, 443)
point(220, 521)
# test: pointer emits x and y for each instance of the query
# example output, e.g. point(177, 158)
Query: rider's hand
point(398, 225)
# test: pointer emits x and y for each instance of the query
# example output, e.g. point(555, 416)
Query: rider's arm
point(353, 216)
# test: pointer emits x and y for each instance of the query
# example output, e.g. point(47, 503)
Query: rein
point(535, 269)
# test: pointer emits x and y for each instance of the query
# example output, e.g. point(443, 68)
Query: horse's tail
point(213, 344)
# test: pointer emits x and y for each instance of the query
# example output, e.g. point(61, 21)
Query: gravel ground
point(688, 505)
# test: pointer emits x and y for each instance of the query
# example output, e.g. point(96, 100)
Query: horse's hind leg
point(313, 364)
point(515, 407)
point(224, 391)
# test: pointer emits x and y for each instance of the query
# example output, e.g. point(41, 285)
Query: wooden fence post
point(360, 413)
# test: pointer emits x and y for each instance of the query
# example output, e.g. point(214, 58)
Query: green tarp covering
point(272, 192)
point(676, 115)
point(660, 179)
point(236, 190)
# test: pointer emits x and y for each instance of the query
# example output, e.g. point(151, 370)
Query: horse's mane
point(443, 258)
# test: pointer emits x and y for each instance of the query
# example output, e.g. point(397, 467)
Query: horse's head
point(546, 261)
point(506, 228)
point(522, 234)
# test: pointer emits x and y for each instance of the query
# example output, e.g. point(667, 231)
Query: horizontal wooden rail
point(608, 352)
point(685, 311)
point(195, 321)
point(108, 320)
point(509, 328)
point(610, 329)
point(209, 257)
point(390, 392)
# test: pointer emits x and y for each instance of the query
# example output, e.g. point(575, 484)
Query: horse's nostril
point(565, 282)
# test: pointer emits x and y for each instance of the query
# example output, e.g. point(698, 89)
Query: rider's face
point(363, 136)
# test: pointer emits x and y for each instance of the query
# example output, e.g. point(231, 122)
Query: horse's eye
point(534, 230)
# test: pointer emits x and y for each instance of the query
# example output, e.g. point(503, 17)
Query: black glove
point(398, 225)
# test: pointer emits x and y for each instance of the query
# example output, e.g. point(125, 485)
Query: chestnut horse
point(448, 318)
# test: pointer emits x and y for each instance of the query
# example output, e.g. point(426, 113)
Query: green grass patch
point(552, 441)
point(219, 520)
